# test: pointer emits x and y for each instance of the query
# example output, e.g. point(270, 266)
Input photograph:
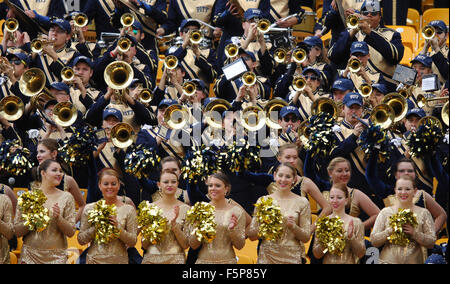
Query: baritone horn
point(176, 116)
point(32, 82)
point(354, 65)
point(304, 132)
point(263, 25)
point(122, 135)
point(383, 115)
point(273, 107)
point(398, 104)
point(352, 21)
point(171, 62)
point(127, 20)
point(11, 108)
point(231, 50)
point(299, 83)
point(299, 55)
point(64, 114)
point(214, 111)
point(80, 20)
point(365, 90)
point(428, 32)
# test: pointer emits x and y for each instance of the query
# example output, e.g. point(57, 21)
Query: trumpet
point(326, 105)
point(80, 20)
point(11, 108)
point(37, 45)
point(118, 75)
point(352, 22)
point(383, 115)
point(196, 37)
point(122, 135)
point(123, 44)
point(274, 106)
point(280, 55)
point(365, 90)
point(299, 55)
point(231, 50)
point(249, 78)
point(354, 65)
point(171, 62)
point(145, 96)
point(176, 116)
point(11, 26)
point(263, 25)
point(299, 83)
point(67, 74)
point(127, 20)
point(428, 32)
point(398, 104)
point(189, 88)
point(64, 114)
point(252, 118)
point(215, 107)
point(422, 101)
point(444, 113)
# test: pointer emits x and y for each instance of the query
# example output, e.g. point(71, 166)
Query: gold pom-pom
point(331, 235)
point(99, 218)
point(31, 203)
point(396, 221)
point(270, 219)
point(201, 215)
point(153, 225)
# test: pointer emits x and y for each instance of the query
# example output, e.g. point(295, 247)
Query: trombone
point(299, 55)
point(11, 26)
point(263, 26)
point(398, 104)
point(37, 45)
point(428, 32)
point(122, 135)
point(64, 114)
point(171, 62)
point(299, 83)
point(422, 101)
point(176, 116)
point(217, 106)
point(189, 88)
point(274, 106)
point(127, 20)
point(11, 108)
point(231, 50)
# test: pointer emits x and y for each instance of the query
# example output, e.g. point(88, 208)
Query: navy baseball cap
point(60, 86)
point(208, 100)
point(252, 13)
point(137, 26)
point(84, 59)
point(416, 111)
point(189, 22)
point(201, 85)
point(438, 24)
point(342, 84)
point(167, 102)
point(63, 24)
point(288, 110)
point(249, 53)
point(359, 47)
point(114, 112)
point(313, 41)
point(380, 87)
point(50, 103)
point(310, 69)
point(353, 98)
point(22, 56)
point(425, 60)
point(371, 6)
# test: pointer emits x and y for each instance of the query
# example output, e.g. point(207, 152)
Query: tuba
point(252, 118)
point(80, 20)
point(212, 109)
point(64, 114)
point(249, 78)
point(383, 115)
point(171, 62)
point(326, 105)
point(122, 135)
point(398, 104)
point(127, 20)
point(176, 116)
point(231, 50)
point(299, 55)
point(432, 120)
point(274, 106)
point(352, 22)
point(354, 65)
point(428, 32)
point(11, 108)
point(263, 25)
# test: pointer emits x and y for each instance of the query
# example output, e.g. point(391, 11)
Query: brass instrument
point(263, 25)
point(252, 118)
point(430, 120)
point(196, 37)
point(354, 65)
point(118, 75)
point(422, 101)
point(11, 26)
point(123, 44)
point(37, 45)
point(428, 32)
point(326, 105)
point(444, 114)
point(398, 104)
point(145, 96)
point(304, 132)
point(299, 55)
point(39, 100)
point(11, 108)
point(176, 116)
point(80, 20)
point(299, 83)
point(214, 111)
point(171, 62)
point(274, 106)
point(352, 22)
point(365, 90)
point(280, 55)
point(32, 82)
point(249, 78)
point(231, 50)
point(127, 20)
point(122, 135)
point(67, 74)
point(405, 92)
point(383, 115)
point(64, 114)
point(189, 88)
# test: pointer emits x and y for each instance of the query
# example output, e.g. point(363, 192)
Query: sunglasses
point(310, 77)
point(294, 119)
point(367, 13)
point(16, 61)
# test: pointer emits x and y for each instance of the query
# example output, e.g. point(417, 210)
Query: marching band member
point(13, 66)
point(6, 227)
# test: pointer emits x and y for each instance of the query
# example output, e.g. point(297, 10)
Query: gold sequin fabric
point(6, 217)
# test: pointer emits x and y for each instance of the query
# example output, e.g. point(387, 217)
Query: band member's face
point(61, 96)
point(312, 80)
point(376, 97)
point(373, 21)
point(421, 70)
point(18, 66)
point(290, 120)
point(339, 95)
point(108, 123)
point(405, 168)
point(59, 36)
point(289, 156)
point(364, 58)
point(43, 153)
point(341, 173)
point(411, 123)
point(160, 115)
point(83, 71)
point(314, 52)
point(349, 111)
point(185, 31)
point(442, 36)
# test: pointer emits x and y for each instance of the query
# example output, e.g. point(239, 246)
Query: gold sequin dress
point(290, 247)
point(114, 252)
point(169, 251)
point(6, 227)
point(353, 247)
point(50, 245)
point(413, 253)
point(220, 250)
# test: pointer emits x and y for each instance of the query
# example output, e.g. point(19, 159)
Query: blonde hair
point(336, 161)
point(407, 178)
point(341, 187)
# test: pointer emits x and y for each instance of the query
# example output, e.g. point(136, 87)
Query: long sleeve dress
point(289, 248)
point(6, 227)
point(50, 245)
point(169, 251)
point(413, 253)
point(352, 246)
point(220, 250)
point(114, 252)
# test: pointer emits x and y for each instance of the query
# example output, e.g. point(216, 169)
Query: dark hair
point(286, 147)
point(51, 144)
point(44, 166)
point(404, 160)
point(222, 177)
point(169, 159)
